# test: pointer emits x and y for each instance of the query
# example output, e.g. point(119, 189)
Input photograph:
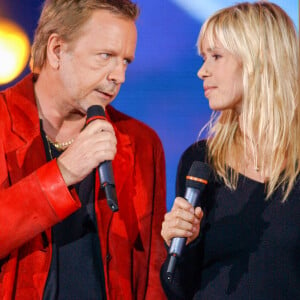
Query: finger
point(171, 222)
point(181, 214)
point(105, 137)
point(192, 238)
point(182, 203)
point(98, 125)
point(168, 232)
point(198, 212)
point(105, 151)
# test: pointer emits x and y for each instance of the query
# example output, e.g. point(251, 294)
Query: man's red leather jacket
point(34, 197)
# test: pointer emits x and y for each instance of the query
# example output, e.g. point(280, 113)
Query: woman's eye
point(216, 56)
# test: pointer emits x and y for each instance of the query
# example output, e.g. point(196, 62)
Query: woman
point(248, 245)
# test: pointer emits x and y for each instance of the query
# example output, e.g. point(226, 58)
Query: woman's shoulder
point(196, 151)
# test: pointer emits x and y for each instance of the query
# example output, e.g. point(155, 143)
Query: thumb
point(198, 212)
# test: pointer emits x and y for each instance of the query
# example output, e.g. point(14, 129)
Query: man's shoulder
point(22, 90)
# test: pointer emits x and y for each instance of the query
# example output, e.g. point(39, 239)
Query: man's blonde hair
point(263, 37)
point(66, 17)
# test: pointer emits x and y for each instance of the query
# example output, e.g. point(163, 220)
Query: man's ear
point(54, 48)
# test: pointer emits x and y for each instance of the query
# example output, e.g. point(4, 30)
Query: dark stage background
point(162, 88)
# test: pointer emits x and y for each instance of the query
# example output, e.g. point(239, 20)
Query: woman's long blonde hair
point(264, 38)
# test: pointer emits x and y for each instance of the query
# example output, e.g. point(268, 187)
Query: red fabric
point(132, 249)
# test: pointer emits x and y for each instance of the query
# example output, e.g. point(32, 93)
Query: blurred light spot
point(14, 50)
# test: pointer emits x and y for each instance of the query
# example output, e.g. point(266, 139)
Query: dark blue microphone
point(106, 175)
point(196, 180)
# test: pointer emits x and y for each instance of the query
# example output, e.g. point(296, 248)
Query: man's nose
point(117, 73)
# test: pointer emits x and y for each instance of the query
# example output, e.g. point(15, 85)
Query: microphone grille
point(95, 110)
point(198, 174)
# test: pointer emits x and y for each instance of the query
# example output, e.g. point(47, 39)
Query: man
point(58, 237)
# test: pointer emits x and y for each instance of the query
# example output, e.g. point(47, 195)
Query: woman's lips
point(208, 89)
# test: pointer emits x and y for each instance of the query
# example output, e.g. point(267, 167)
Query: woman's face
point(221, 73)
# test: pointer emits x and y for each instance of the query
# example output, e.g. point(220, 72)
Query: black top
point(248, 247)
point(76, 270)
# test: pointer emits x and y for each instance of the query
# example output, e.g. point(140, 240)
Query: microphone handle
point(108, 183)
point(106, 173)
point(111, 197)
point(177, 244)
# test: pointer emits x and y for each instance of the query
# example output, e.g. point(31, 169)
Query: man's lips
point(106, 94)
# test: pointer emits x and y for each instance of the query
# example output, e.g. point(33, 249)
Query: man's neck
point(60, 121)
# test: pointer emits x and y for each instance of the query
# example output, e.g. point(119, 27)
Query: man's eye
point(105, 55)
point(126, 61)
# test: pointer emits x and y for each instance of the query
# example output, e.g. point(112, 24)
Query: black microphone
point(106, 175)
point(196, 180)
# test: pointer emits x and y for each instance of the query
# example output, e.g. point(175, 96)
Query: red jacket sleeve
point(157, 250)
point(31, 205)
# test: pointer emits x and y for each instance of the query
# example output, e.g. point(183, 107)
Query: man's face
point(92, 68)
